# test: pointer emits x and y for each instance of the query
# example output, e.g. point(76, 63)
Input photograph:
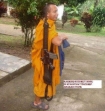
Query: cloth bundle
point(62, 55)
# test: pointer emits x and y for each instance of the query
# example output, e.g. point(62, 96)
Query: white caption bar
point(68, 84)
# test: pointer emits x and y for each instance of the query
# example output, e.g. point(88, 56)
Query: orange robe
point(39, 85)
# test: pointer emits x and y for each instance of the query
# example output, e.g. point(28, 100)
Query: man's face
point(53, 12)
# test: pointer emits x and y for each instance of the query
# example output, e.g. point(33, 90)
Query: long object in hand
point(47, 74)
point(47, 57)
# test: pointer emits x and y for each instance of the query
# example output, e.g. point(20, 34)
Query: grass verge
point(7, 20)
point(14, 46)
point(78, 29)
point(11, 40)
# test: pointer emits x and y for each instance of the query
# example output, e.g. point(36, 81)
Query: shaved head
point(50, 11)
point(47, 8)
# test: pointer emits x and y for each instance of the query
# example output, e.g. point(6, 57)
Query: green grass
point(99, 34)
point(14, 46)
point(7, 20)
point(79, 29)
point(11, 40)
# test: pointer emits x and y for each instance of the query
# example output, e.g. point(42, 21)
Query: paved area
point(11, 66)
point(85, 60)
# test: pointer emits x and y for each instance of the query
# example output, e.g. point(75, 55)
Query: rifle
point(47, 58)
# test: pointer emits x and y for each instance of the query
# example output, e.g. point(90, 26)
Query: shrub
point(87, 20)
point(28, 13)
point(99, 17)
point(73, 22)
point(95, 28)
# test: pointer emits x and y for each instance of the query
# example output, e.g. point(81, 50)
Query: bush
point(99, 17)
point(87, 20)
point(95, 28)
point(73, 22)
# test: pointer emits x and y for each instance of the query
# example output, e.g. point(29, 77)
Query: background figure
point(64, 18)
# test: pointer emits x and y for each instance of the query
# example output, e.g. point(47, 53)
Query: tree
point(28, 13)
point(72, 2)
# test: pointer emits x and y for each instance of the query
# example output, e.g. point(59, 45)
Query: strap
point(46, 90)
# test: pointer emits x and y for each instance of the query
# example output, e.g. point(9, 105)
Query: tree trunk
point(28, 37)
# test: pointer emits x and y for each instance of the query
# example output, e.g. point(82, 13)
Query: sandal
point(42, 106)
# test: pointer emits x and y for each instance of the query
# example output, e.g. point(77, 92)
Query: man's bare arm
point(58, 39)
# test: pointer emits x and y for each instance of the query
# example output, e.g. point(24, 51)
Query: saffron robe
point(37, 64)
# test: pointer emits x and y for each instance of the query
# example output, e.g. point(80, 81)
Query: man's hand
point(58, 39)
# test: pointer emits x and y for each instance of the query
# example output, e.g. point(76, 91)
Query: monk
point(56, 40)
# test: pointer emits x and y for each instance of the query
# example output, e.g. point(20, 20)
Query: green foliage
point(72, 11)
point(32, 9)
point(28, 13)
point(73, 7)
point(88, 6)
point(96, 28)
point(72, 2)
point(25, 10)
point(75, 2)
point(97, 9)
point(99, 17)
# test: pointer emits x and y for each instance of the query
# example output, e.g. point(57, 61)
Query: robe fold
point(37, 64)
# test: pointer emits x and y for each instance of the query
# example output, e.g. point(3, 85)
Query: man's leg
point(39, 103)
point(37, 100)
